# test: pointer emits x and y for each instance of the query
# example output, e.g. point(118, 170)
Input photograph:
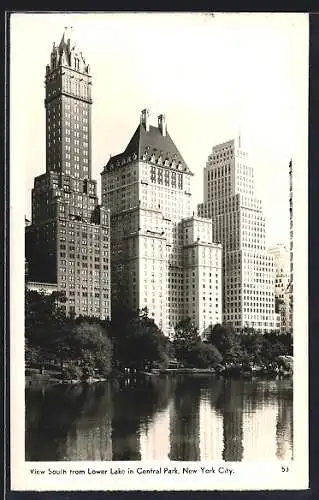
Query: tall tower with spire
point(68, 240)
point(68, 110)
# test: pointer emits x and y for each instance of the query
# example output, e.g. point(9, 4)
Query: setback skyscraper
point(291, 250)
point(239, 224)
point(282, 284)
point(68, 240)
point(162, 256)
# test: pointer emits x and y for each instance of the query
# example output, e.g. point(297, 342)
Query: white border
point(248, 476)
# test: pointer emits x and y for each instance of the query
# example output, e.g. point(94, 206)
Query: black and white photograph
point(158, 186)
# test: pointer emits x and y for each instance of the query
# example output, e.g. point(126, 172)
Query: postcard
point(158, 247)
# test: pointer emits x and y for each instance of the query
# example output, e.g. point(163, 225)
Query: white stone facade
point(280, 255)
point(239, 225)
point(202, 273)
point(148, 191)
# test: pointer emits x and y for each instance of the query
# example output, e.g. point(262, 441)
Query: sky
point(214, 76)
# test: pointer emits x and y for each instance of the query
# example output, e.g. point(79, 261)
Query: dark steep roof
point(152, 146)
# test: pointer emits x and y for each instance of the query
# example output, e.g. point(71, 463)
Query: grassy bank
point(36, 376)
point(231, 372)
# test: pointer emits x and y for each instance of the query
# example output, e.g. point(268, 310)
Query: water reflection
point(184, 421)
point(230, 404)
point(182, 418)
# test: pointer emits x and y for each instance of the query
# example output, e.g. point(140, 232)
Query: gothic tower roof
point(67, 53)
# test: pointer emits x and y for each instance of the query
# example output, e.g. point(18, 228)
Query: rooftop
point(151, 144)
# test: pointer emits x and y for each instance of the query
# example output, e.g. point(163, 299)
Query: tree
point(252, 345)
point(138, 342)
point(121, 317)
point(145, 343)
point(43, 313)
point(32, 354)
point(207, 355)
point(274, 345)
point(45, 325)
point(227, 342)
point(186, 342)
point(91, 348)
point(74, 343)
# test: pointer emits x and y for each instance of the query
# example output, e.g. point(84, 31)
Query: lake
point(157, 418)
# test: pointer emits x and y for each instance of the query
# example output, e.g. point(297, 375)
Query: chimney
point(145, 119)
point(162, 124)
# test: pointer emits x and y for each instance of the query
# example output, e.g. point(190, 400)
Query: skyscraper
point(282, 284)
point(163, 257)
point(239, 224)
point(68, 240)
point(291, 249)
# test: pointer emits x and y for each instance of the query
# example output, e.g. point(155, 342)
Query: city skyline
point(201, 121)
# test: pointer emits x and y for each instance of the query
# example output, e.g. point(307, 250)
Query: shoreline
point(41, 379)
